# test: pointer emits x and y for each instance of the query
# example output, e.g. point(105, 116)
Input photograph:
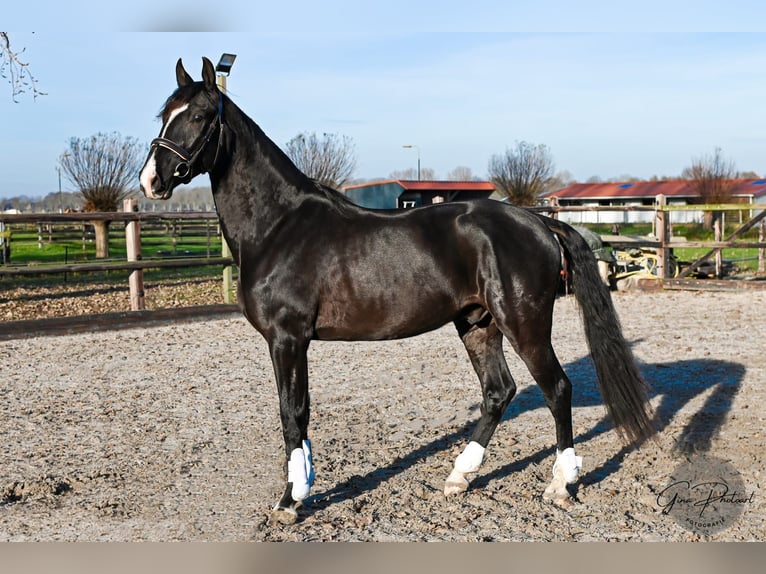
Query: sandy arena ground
point(172, 433)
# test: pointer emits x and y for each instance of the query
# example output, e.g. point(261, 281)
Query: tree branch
point(16, 71)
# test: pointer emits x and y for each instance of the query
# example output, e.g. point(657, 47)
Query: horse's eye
point(198, 118)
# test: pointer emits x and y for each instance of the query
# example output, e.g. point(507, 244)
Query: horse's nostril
point(155, 184)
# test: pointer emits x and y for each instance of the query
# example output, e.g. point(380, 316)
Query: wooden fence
point(135, 263)
point(664, 242)
point(205, 225)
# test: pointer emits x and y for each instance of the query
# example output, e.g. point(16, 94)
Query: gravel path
point(58, 299)
point(172, 433)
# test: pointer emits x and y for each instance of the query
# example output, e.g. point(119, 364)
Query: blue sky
point(610, 90)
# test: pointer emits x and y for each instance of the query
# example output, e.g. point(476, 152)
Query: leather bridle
point(184, 167)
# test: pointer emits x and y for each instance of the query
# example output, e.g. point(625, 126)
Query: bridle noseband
point(183, 169)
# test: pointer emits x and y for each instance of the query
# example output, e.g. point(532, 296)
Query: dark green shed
point(401, 194)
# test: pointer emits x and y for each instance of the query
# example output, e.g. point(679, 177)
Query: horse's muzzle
point(156, 189)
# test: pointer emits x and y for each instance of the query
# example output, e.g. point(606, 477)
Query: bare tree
point(330, 160)
point(711, 176)
point(411, 174)
point(461, 173)
point(103, 168)
point(15, 70)
point(559, 181)
point(521, 174)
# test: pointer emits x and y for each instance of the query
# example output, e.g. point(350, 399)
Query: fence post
point(762, 251)
point(227, 271)
point(717, 230)
point(133, 243)
point(554, 202)
point(663, 236)
point(207, 236)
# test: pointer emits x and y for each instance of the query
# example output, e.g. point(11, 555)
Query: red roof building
point(677, 192)
point(646, 192)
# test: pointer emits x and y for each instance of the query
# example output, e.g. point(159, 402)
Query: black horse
point(315, 266)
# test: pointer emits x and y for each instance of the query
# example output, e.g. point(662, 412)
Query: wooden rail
point(111, 216)
point(116, 266)
point(663, 243)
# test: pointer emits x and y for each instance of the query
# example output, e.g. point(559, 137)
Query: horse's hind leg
point(529, 329)
point(536, 351)
point(484, 343)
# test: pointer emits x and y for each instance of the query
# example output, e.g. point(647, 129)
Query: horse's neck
point(256, 189)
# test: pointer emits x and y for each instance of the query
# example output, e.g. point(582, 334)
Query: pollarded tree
point(104, 168)
point(330, 160)
point(522, 172)
point(712, 176)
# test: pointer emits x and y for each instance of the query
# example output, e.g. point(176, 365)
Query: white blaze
point(149, 173)
point(173, 115)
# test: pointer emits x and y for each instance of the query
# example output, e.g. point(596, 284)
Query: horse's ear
point(182, 77)
point(208, 75)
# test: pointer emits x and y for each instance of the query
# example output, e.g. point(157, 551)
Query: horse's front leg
point(288, 355)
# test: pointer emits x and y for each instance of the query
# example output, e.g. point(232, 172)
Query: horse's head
point(190, 137)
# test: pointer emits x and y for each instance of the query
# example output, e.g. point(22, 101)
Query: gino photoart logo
point(705, 495)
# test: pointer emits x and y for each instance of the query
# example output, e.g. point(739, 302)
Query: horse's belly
point(345, 320)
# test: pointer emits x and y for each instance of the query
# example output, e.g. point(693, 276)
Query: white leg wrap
point(568, 465)
point(300, 471)
point(470, 459)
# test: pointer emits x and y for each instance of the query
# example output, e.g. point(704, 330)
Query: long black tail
point(622, 387)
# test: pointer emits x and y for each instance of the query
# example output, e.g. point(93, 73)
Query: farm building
point(399, 193)
point(677, 192)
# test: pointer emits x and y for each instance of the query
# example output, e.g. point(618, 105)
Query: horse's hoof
point(281, 515)
point(455, 486)
point(563, 502)
point(561, 499)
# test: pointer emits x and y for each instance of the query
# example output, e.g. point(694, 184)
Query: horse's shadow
point(675, 384)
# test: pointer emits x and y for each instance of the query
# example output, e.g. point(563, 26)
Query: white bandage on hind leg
point(568, 464)
point(470, 459)
point(300, 471)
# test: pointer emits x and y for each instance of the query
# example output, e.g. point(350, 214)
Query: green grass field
point(66, 246)
point(745, 258)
